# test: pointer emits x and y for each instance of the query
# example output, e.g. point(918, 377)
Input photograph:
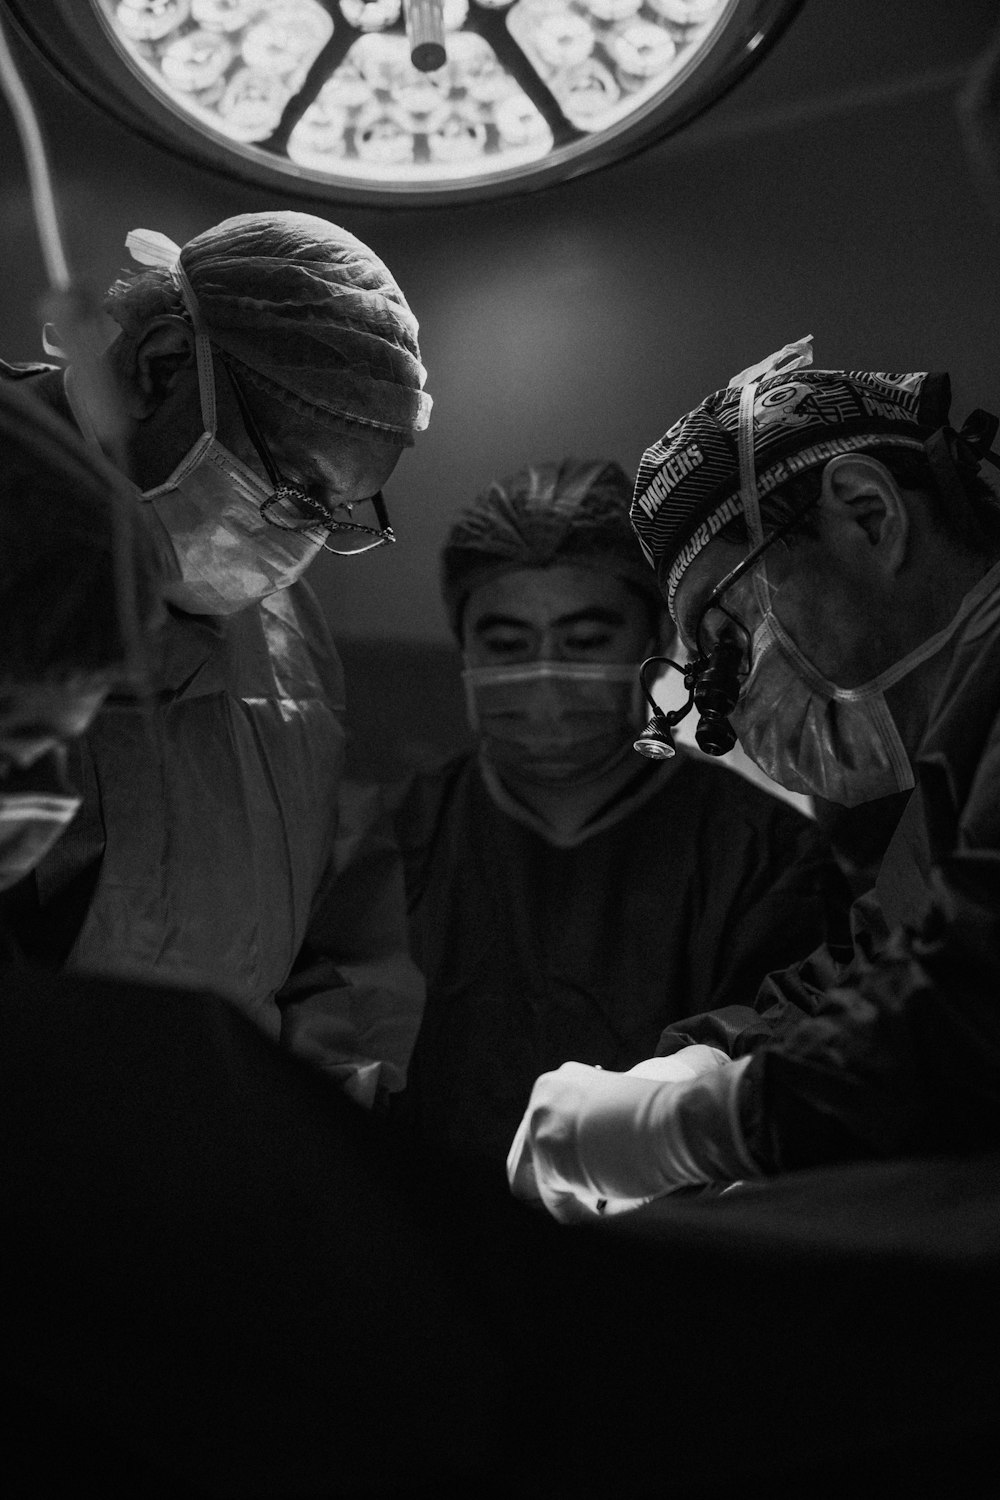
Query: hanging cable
point(43, 201)
point(77, 314)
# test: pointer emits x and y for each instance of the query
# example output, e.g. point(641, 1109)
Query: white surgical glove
point(688, 1062)
point(594, 1142)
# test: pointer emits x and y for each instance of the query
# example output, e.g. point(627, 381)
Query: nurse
point(269, 379)
point(568, 899)
point(850, 558)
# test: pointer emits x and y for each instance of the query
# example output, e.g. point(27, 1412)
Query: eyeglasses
point(291, 508)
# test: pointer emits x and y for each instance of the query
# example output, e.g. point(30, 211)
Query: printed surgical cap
point(571, 512)
point(310, 314)
point(688, 485)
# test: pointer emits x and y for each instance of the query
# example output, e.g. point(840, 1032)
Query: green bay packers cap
point(689, 482)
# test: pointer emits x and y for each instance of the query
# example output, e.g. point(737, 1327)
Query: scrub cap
point(309, 312)
point(573, 512)
point(788, 419)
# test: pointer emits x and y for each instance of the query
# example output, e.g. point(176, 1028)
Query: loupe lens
point(716, 736)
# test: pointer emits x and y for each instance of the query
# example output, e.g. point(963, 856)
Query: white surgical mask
point(220, 552)
point(811, 736)
point(554, 722)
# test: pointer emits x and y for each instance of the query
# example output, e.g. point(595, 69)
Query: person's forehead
point(544, 596)
point(330, 451)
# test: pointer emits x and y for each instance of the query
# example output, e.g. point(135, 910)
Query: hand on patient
point(594, 1142)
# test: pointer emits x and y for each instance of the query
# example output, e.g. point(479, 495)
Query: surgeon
point(269, 379)
point(567, 898)
point(827, 538)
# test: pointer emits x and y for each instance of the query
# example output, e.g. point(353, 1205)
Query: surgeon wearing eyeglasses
point(269, 379)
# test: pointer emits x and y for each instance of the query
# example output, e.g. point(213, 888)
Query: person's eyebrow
point(491, 621)
point(597, 614)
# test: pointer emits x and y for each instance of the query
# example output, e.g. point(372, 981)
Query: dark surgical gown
point(892, 1044)
point(684, 897)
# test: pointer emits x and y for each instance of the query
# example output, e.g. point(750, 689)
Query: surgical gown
point(892, 1045)
point(217, 847)
point(694, 888)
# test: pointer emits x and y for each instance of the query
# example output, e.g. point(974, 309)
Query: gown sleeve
point(778, 896)
point(353, 1002)
point(902, 1053)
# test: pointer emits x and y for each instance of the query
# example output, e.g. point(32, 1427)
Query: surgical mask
point(811, 736)
point(220, 552)
point(36, 805)
point(554, 722)
point(225, 552)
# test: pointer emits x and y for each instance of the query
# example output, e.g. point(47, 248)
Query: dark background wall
point(828, 194)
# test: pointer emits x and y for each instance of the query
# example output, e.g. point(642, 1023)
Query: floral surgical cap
point(572, 512)
point(308, 311)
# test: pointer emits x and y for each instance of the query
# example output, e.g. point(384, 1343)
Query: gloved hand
point(593, 1142)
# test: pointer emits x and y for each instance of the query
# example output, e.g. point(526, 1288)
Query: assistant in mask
point(565, 898)
point(550, 722)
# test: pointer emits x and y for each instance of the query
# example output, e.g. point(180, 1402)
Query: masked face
point(219, 548)
point(36, 803)
point(803, 729)
point(553, 722)
point(551, 672)
point(219, 552)
point(810, 736)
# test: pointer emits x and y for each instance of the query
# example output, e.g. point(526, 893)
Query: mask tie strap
point(794, 356)
point(148, 247)
point(748, 486)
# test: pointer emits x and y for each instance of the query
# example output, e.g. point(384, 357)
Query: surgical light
point(403, 100)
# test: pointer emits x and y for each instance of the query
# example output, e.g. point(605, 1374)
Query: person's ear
point(864, 510)
point(151, 366)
